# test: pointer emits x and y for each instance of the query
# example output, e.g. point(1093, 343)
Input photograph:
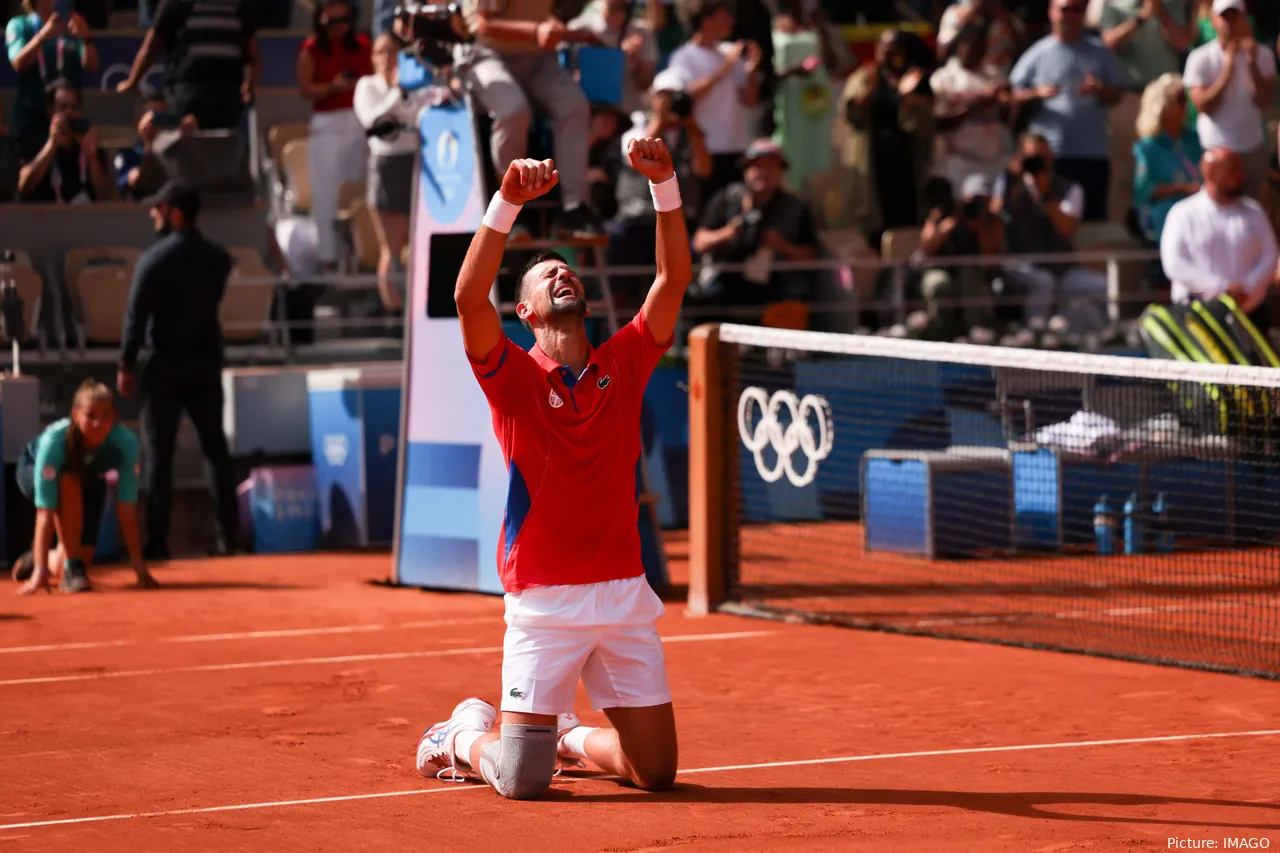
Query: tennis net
point(1126, 507)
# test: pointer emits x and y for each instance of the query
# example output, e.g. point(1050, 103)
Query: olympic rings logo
point(798, 434)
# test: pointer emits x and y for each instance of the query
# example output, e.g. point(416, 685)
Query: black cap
point(179, 196)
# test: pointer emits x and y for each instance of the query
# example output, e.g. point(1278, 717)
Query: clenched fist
point(526, 180)
point(651, 158)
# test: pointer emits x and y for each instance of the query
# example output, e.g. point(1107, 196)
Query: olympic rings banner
point(768, 432)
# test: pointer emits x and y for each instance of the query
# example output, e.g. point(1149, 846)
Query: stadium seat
point(21, 258)
point(103, 295)
point(899, 245)
point(297, 176)
point(246, 309)
point(78, 260)
point(246, 256)
point(792, 314)
point(282, 134)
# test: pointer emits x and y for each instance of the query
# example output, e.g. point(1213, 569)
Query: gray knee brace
point(520, 765)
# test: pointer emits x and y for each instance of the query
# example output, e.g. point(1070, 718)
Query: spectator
point(1231, 80)
point(1166, 156)
point(1149, 37)
point(807, 59)
point(71, 168)
point(1069, 80)
point(668, 32)
point(180, 326)
point(959, 297)
point(1005, 32)
point(671, 120)
point(612, 22)
point(139, 172)
point(512, 64)
point(330, 62)
point(44, 49)
point(605, 160)
point(753, 223)
point(889, 106)
point(723, 78)
point(213, 64)
point(382, 106)
point(1042, 209)
point(1219, 241)
point(970, 98)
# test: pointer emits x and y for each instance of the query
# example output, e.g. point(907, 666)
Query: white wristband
point(666, 195)
point(501, 215)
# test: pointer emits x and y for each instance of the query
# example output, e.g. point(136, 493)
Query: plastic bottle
point(1164, 526)
point(1133, 525)
point(1104, 527)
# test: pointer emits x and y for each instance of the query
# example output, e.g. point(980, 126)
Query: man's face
point(1067, 17)
point(1229, 24)
point(720, 25)
point(552, 294)
point(615, 13)
point(1226, 172)
point(162, 219)
point(763, 175)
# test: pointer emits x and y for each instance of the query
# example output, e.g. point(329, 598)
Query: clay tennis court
point(271, 703)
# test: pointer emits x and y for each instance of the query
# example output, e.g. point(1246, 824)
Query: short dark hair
point(706, 9)
point(537, 259)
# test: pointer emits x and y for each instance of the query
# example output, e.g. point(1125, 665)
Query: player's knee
point(520, 764)
point(659, 777)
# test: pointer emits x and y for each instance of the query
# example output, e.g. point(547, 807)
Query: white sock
point(462, 743)
point(575, 741)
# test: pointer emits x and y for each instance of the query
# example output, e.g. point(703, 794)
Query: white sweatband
point(666, 195)
point(501, 215)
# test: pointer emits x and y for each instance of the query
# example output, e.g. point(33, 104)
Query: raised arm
point(651, 158)
point(524, 181)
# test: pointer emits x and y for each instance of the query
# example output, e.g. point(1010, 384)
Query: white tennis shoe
point(435, 747)
point(565, 724)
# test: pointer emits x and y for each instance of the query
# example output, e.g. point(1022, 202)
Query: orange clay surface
point(196, 717)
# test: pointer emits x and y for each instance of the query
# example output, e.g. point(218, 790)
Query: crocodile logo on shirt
point(603, 382)
point(517, 693)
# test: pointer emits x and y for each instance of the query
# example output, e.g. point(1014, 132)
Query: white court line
point(250, 635)
point(264, 664)
point(727, 768)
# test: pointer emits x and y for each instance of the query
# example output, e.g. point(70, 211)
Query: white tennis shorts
point(603, 633)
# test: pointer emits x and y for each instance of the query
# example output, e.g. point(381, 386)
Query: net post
point(706, 474)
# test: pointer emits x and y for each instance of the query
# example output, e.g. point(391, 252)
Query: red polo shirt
point(572, 447)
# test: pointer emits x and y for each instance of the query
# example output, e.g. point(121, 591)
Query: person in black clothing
point(212, 59)
point(178, 287)
point(71, 168)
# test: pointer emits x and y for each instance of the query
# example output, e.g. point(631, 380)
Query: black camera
point(1036, 164)
point(433, 29)
point(681, 104)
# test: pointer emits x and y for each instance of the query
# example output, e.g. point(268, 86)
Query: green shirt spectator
point(1147, 46)
point(43, 47)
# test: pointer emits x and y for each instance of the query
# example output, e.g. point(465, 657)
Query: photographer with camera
point(512, 66)
point(671, 120)
point(1042, 211)
point(390, 118)
point(46, 43)
point(753, 223)
point(139, 171)
point(959, 297)
point(71, 168)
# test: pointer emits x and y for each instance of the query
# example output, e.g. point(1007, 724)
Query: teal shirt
point(1161, 160)
point(61, 59)
point(118, 453)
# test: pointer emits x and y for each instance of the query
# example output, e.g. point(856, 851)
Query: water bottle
point(1163, 525)
point(1133, 525)
point(1104, 527)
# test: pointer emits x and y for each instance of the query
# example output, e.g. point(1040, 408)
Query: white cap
point(1220, 6)
point(669, 80)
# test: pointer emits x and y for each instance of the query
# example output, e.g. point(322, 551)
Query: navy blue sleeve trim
point(501, 360)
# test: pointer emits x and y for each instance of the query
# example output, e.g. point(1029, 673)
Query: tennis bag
point(1244, 345)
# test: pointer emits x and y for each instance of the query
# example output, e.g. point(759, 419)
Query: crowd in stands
point(1022, 127)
